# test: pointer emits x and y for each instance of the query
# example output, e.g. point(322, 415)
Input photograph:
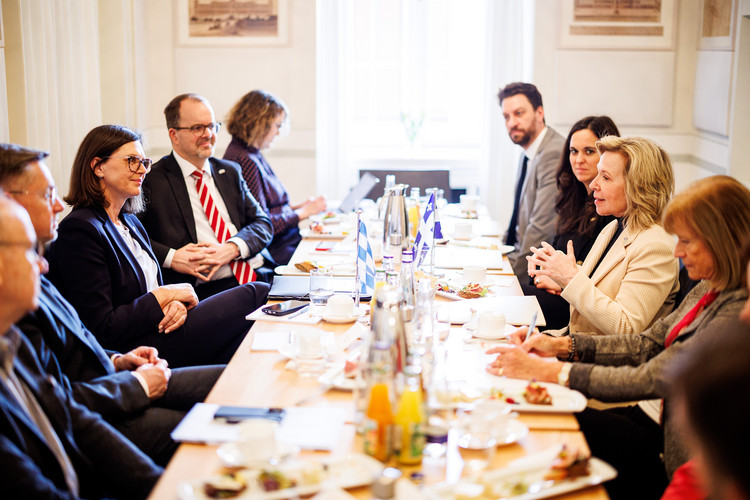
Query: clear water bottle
point(406, 278)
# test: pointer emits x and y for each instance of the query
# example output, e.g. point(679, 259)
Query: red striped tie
point(242, 270)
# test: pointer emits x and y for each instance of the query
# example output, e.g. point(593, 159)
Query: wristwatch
point(564, 374)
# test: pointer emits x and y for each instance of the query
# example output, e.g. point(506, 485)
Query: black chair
point(422, 179)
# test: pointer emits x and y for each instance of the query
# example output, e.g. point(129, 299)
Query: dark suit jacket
point(94, 269)
point(105, 462)
point(169, 219)
point(67, 350)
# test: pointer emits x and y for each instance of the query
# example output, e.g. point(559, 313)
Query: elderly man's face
point(39, 198)
point(19, 262)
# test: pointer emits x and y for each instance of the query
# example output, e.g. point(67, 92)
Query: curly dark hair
point(250, 119)
point(574, 206)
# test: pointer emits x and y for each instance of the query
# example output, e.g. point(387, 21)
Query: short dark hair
point(711, 380)
point(172, 111)
point(85, 189)
point(527, 89)
point(14, 159)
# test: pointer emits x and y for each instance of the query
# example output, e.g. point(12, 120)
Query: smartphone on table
point(236, 414)
point(284, 308)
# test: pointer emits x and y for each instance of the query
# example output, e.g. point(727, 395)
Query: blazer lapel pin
point(221, 171)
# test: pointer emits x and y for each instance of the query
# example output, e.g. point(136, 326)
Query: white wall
point(646, 92)
point(164, 68)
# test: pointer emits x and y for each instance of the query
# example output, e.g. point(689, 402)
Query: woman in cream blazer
point(629, 278)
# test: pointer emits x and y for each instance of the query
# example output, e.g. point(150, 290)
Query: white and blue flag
point(429, 231)
point(365, 262)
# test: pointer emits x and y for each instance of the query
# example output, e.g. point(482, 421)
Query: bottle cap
point(384, 487)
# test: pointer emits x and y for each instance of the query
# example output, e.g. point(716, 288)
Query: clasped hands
point(175, 301)
point(552, 269)
point(203, 259)
point(146, 362)
point(525, 358)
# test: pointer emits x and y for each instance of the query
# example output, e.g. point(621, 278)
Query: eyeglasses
point(49, 194)
point(199, 129)
point(135, 162)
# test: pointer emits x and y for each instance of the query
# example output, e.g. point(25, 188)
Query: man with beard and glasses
point(533, 218)
point(205, 226)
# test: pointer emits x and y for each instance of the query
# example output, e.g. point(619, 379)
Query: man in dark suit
point(50, 446)
point(134, 391)
point(533, 218)
point(189, 245)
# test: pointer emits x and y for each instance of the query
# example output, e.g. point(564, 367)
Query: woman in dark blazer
point(103, 264)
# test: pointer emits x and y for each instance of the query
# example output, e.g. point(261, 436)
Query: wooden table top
point(259, 379)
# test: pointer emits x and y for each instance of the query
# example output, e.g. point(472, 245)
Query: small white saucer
point(231, 455)
point(471, 327)
point(514, 432)
point(343, 319)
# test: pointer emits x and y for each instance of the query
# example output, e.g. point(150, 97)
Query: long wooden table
point(259, 379)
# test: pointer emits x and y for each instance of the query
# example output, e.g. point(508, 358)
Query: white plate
point(350, 471)
point(336, 269)
point(514, 432)
point(343, 319)
point(322, 219)
point(338, 380)
point(564, 400)
point(328, 235)
point(471, 328)
point(600, 472)
point(231, 455)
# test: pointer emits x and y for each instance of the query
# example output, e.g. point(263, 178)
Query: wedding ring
point(499, 372)
point(536, 280)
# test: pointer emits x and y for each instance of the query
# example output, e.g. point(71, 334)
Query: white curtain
point(62, 78)
point(509, 59)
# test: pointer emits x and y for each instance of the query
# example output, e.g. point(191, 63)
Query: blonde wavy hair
point(649, 179)
point(717, 211)
point(251, 117)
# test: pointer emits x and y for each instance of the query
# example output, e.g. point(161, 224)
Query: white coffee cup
point(340, 306)
point(475, 274)
point(257, 439)
point(491, 325)
point(462, 231)
point(469, 201)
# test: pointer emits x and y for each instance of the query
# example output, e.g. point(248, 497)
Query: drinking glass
point(321, 286)
point(309, 353)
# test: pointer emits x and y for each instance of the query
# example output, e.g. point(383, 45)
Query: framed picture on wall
point(717, 24)
point(604, 24)
point(232, 22)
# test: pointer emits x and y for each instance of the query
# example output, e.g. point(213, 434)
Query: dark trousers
point(632, 443)
point(555, 308)
point(149, 430)
point(213, 330)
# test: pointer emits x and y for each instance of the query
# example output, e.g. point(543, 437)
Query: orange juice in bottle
point(379, 421)
point(410, 419)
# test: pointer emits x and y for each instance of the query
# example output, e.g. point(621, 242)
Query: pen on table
point(293, 315)
point(532, 325)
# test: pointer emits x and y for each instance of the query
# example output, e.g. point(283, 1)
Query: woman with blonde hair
point(254, 123)
point(711, 220)
point(629, 278)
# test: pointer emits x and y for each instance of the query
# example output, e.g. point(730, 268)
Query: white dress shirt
point(203, 229)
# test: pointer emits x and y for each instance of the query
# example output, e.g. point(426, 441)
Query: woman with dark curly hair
point(577, 219)
point(254, 123)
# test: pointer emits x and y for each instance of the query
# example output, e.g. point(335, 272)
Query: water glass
point(321, 286)
point(309, 353)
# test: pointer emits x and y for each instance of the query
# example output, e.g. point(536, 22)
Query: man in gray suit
point(533, 218)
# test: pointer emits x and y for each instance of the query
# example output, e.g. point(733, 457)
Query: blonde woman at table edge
point(711, 219)
point(629, 278)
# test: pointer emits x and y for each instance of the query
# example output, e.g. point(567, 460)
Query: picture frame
point(596, 24)
point(217, 23)
point(718, 23)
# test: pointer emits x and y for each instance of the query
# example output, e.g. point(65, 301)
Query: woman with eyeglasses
point(254, 123)
point(102, 262)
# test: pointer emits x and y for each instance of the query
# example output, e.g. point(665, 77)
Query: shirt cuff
point(168, 260)
point(142, 381)
point(242, 245)
point(113, 358)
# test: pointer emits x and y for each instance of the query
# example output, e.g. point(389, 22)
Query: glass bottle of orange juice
point(410, 419)
point(413, 212)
